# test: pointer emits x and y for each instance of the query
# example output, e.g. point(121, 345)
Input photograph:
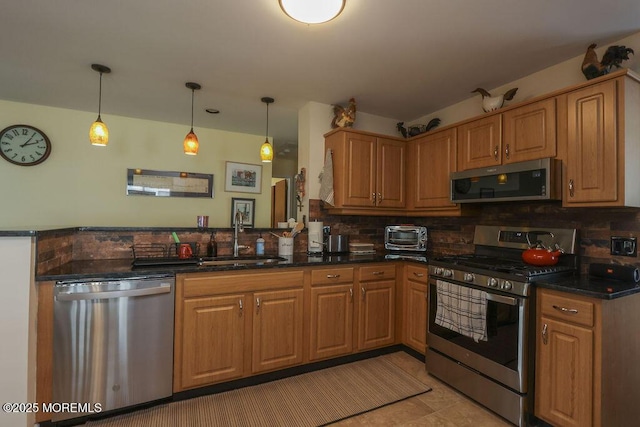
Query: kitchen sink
point(252, 260)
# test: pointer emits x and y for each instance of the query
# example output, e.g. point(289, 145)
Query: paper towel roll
point(314, 244)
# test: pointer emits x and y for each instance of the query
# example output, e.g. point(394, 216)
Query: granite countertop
point(120, 268)
point(593, 287)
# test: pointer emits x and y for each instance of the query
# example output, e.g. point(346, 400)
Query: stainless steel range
point(480, 325)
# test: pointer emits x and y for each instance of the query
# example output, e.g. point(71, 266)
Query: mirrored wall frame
point(146, 182)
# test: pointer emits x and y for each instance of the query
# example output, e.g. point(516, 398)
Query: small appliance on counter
point(314, 242)
point(406, 241)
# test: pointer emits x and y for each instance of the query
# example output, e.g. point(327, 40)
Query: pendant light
point(98, 132)
point(312, 11)
point(266, 150)
point(191, 143)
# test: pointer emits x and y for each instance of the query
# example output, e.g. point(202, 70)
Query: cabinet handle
point(566, 310)
point(373, 196)
point(378, 273)
point(379, 197)
point(351, 294)
point(257, 305)
point(571, 189)
point(495, 152)
point(506, 151)
point(418, 274)
point(363, 291)
point(241, 306)
point(333, 276)
point(545, 338)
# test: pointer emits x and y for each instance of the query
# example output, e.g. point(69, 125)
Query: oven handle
point(502, 299)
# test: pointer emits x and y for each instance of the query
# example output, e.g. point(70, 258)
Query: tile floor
point(443, 406)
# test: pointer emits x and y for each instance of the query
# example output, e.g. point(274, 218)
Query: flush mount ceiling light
point(98, 132)
point(266, 150)
point(312, 11)
point(191, 143)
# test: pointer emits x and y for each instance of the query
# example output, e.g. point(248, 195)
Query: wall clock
point(24, 145)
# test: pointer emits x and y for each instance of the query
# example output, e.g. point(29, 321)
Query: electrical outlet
point(624, 246)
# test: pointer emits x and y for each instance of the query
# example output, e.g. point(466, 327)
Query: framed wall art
point(144, 182)
point(243, 178)
point(246, 207)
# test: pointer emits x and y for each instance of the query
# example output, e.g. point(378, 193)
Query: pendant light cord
point(100, 96)
point(192, 92)
point(267, 135)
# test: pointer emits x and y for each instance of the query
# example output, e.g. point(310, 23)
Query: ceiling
point(399, 59)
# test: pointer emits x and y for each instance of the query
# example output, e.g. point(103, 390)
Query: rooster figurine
point(344, 116)
point(491, 103)
point(613, 57)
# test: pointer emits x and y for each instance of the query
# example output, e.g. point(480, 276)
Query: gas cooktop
point(501, 265)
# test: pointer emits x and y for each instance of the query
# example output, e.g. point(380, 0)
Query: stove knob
point(447, 273)
point(439, 271)
point(469, 277)
point(493, 282)
point(507, 285)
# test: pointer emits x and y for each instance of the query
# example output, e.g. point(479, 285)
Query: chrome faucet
point(237, 226)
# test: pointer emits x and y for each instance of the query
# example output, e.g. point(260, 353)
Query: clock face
point(24, 145)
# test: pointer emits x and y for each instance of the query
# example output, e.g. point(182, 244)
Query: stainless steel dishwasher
point(112, 342)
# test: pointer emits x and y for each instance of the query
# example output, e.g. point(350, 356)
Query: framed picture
point(246, 207)
point(144, 182)
point(243, 178)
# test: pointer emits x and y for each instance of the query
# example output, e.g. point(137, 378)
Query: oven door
point(503, 357)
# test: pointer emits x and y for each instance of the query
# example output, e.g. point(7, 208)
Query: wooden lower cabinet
point(586, 360)
point(331, 321)
point(415, 307)
point(376, 306)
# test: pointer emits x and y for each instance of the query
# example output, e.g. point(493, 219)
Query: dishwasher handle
point(163, 288)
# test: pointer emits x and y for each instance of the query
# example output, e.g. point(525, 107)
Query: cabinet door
point(331, 321)
point(415, 315)
point(480, 143)
point(212, 339)
point(376, 314)
point(360, 173)
point(564, 373)
point(390, 173)
point(530, 132)
point(277, 329)
point(592, 145)
point(432, 160)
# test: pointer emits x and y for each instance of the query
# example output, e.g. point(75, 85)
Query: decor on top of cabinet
point(613, 57)
point(344, 117)
point(492, 103)
point(415, 130)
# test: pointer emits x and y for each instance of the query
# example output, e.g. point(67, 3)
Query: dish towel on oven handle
point(326, 179)
point(462, 309)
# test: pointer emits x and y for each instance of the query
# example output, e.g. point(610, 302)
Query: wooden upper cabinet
point(480, 143)
point(530, 132)
point(368, 170)
point(432, 158)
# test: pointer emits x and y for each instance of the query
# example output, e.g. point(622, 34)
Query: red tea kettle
point(539, 254)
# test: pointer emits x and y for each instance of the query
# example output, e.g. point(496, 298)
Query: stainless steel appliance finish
point(496, 372)
point(336, 243)
point(532, 180)
point(113, 342)
point(412, 238)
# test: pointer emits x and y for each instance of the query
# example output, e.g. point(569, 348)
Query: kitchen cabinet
point(368, 171)
point(432, 158)
point(527, 132)
point(331, 312)
point(414, 318)
point(230, 325)
point(586, 360)
point(376, 306)
point(602, 144)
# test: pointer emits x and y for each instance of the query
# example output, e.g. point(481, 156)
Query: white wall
point(17, 328)
point(82, 185)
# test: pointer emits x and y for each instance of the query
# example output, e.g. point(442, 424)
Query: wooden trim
point(44, 348)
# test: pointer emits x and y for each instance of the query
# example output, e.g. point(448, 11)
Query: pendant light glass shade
point(98, 132)
point(312, 11)
point(266, 150)
point(191, 144)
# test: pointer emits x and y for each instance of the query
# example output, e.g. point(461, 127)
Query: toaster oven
point(405, 238)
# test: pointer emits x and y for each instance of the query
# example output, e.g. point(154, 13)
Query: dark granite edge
point(593, 287)
point(18, 233)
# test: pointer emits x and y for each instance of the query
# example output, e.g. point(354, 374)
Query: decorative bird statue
point(417, 129)
point(491, 103)
point(613, 57)
point(344, 116)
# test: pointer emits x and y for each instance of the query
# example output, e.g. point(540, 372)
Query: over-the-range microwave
point(531, 180)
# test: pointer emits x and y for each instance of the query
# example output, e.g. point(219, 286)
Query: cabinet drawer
point(332, 275)
point(196, 284)
point(567, 308)
point(378, 272)
point(417, 274)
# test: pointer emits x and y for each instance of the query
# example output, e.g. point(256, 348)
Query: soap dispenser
point(212, 246)
point(260, 245)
